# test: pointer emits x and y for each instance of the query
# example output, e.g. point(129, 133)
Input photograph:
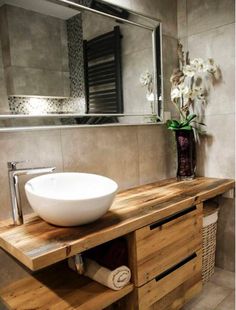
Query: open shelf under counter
point(57, 288)
point(37, 244)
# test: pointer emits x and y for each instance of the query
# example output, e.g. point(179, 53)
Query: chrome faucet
point(13, 176)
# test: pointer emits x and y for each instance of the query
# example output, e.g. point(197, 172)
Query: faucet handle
point(12, 164)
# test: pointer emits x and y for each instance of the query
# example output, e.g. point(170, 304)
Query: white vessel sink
point(70, 199)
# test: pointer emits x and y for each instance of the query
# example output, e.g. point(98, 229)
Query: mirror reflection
point(58, 59)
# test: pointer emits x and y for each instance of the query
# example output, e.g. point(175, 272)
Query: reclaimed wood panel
point(164, 246)
point(38, 244)
point(158, 289)
point(177, 298)
point(59, 288)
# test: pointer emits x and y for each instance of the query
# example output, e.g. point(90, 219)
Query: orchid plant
point(146, 80)
point(190, 84)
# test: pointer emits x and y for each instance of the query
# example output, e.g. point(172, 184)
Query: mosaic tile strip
point(38, 106)
point(75, 54)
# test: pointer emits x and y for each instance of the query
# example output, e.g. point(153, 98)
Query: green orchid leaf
point(184, 123)
point(191, 117)
point(175, 123)
point(172, 124)
point(186, 128)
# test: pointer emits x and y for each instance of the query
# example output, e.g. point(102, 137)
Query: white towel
point(115, 279)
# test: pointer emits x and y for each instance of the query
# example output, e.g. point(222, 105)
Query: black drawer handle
point(172, 217)
point(175, 267)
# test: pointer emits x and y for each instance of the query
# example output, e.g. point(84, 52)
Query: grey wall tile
point(207, 30)
point(35, 39)
point(36, 82)
point(225, 252)
point(210, 44)
point(34, 53)
point(215, 156)
point(41, 148)
point(182, 18)
point(168, 105)
point(156, 153)
point(4, 35)
point(110, 151)
point(170, 57)
point(134, 94)
point(203, 15)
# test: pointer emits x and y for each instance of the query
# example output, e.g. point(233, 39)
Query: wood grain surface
point(59, 288)
point(160, 248)
point(155, 290)
point(38, 244)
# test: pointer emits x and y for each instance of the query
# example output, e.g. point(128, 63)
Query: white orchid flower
point(199, 65)
point(175, 93)
point(145, 78)
point(150, 96)
point(189, 70)
point(211, 66)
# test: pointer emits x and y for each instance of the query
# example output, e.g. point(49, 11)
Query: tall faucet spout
point(13, 176)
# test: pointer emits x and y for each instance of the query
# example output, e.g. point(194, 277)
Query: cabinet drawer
point(163, 244)
point(163, 292)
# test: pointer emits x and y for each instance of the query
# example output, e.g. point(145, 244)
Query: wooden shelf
point(37, 244)
point(59, 288)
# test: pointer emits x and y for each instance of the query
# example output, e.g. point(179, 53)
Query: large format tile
point(225, 251)
point(208, 14)
point(110, 151)
point(168, 105)
point(134, 94)
point(4, 107)
point(156, 153)
point(170, 57)
point(211, 296)
point(210, 45)
point(182, 18)
point(228, 303)
point(223, 278)
point(216, 156)
point(36, 81)
point(35, 39)
point(40, 148)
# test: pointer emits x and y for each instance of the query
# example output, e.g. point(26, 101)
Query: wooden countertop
point(38, 244)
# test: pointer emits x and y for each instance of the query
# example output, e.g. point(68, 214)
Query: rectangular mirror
point(83, 62)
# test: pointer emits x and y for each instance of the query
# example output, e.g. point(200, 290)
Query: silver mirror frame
point(159, 101)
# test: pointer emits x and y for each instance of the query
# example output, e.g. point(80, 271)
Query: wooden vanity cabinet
point(162, 223)
point(166, 260)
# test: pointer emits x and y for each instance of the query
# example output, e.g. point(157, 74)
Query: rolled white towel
point(115, 279)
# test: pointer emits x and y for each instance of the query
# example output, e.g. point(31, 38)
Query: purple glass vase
point(186, 152)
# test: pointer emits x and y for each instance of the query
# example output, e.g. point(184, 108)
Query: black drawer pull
point(172, 217)
point(175, 267)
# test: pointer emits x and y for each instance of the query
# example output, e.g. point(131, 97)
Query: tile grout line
point(62, 154)
point(137, 139)
point(232, 290)
point(205, 31)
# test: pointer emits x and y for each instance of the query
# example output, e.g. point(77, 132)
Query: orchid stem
point(180, 112)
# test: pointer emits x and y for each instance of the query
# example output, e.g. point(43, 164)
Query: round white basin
point(70, 199)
